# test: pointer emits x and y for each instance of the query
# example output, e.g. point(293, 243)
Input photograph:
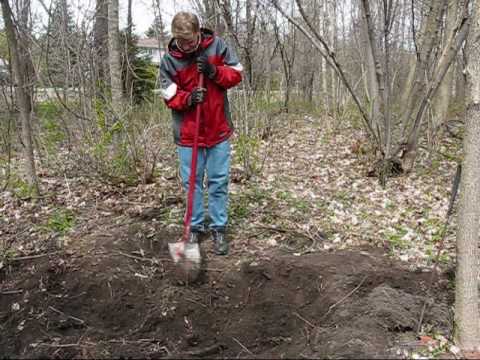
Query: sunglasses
point(187, 44)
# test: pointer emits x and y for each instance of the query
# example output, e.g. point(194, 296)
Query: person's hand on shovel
point(197, 96)
point(203, 66)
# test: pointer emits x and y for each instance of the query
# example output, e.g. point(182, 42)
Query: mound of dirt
point(121, 299)
point(397, 310)
point(384, 312)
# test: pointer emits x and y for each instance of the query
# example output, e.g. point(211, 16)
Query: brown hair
point(184, 25)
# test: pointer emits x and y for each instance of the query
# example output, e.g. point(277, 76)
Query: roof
point(150, 43)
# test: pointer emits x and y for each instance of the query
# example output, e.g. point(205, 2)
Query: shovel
point(185, 254)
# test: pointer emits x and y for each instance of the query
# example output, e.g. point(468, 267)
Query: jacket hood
point(207, 37)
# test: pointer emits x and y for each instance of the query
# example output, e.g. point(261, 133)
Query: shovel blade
point(187, 258)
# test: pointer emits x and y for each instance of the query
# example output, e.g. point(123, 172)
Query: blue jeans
point(215, 161)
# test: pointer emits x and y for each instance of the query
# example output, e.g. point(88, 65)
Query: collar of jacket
point(207, 37)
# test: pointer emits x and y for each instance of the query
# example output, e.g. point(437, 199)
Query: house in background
point(150, 47)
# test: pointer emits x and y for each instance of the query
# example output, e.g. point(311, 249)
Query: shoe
point(194, 237)
point(220, 243)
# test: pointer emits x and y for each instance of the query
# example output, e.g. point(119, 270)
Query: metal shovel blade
point(187, 258)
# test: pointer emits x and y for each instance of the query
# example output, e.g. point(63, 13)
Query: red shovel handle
point(193, 170)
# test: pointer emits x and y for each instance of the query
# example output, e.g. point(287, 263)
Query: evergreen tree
point(144, 71)
point(62, 44)
point(157, 29)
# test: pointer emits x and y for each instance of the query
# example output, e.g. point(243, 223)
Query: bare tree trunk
point(22, 71)
point(428, 35)
point(251, 18)
point(287, 61)
point(416, 82)
point(325, 68)
point(460, 80)
point(101, 47)
point(114, 57)
point(447, 56)
point(368, 70)
point(442, 100)
point(386, 82)
point(162, 42)
point(333, 42)
point(432, 72)
point(374, 69)
point(466, 281)
point(129, 56)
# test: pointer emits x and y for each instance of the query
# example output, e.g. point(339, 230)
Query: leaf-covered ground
point(312, 184)
point(316, 184)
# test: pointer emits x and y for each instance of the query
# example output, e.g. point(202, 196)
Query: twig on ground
point(11, 292)
point(215, 270)
point(17, 235)
point(256, 234)
point(80, 321)
point(164, 348)
point(22, 258)
point(139, 341)
point(60, 345)
point(151, 261)
point(304, 320)
point(209, 350)
point(345, 297)
point(196, 302)
point(242, 346)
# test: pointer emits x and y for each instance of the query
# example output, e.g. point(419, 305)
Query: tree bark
point(333, 43)
point(22, 71)
point(101, 46)
point(325, 68)
point(417, 81)
point(287, 62)
point(114, 57)
point(460, 81)
point(442, 100)
point(251, 18)
point(129, 53)
point(466, 281)
point(374, 72)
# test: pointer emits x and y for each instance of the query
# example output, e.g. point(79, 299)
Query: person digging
point(195, 74)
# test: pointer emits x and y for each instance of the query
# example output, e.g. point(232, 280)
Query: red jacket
point(179, 76)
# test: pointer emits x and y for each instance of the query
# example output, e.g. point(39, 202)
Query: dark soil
point(118, 296)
